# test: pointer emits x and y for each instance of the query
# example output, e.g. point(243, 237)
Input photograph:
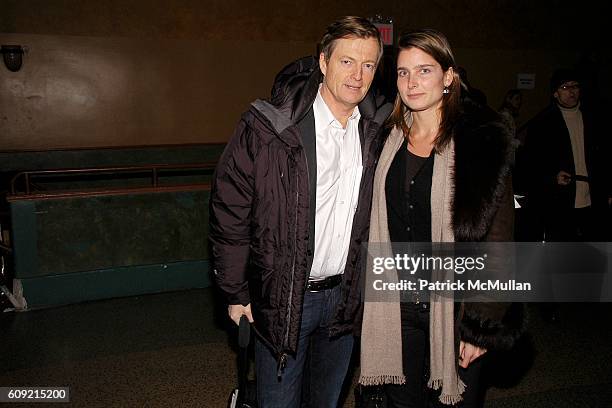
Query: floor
point(177, 350)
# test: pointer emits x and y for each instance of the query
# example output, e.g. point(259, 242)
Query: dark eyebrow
point(418, 66)
point(354, 60)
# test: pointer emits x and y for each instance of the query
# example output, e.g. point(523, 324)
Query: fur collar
point(483, 156)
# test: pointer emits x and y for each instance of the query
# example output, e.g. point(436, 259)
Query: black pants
point(415, 360)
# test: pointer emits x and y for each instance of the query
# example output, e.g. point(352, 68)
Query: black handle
point(244, 337)
point(244, 332)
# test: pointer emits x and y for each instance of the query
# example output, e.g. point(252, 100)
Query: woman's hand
point(468, 353)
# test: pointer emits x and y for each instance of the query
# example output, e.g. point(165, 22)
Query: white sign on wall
point(525, 81)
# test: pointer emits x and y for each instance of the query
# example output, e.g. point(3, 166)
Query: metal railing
point(26, 179)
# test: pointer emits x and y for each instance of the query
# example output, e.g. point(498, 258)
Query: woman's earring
point(445, 91)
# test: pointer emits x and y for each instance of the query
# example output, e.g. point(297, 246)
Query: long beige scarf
point(381, 342)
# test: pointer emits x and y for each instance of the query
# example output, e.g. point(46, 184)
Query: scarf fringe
point(382, 379)
point(434, 384)
point(450, 399)
point(447, 399)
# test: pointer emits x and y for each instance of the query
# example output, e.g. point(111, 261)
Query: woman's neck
point(423, 132)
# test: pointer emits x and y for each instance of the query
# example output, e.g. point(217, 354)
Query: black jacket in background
point(548, 150)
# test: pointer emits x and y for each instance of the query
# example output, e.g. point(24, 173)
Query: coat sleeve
point(540, 172)
point(230, 210)
point(495, 325)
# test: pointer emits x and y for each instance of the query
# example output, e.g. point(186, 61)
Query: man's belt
point(578, 177)
point(323, 284)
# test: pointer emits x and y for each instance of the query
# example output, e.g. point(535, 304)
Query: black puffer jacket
point(262, 212)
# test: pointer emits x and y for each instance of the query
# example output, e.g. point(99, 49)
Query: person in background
point(509, 109)
point(569, 176)
point(567, 184)
point(289, 209)
point(443, 176)
point(509, 112)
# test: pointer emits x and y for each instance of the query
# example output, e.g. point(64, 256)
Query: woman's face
point(515, 101)
point(421, 80)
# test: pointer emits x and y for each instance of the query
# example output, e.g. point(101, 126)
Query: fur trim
point(483, 154)
point(494, 326)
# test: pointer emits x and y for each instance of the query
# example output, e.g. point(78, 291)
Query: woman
point(443, 176)
point(509, 109)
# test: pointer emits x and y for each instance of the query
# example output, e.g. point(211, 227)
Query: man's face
point(568, 94)
point(348, 73)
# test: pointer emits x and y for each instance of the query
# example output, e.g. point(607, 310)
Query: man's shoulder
point(545, 118)
point(550, 112)
point(295, 87)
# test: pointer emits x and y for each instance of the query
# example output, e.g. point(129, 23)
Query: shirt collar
point(324, 115)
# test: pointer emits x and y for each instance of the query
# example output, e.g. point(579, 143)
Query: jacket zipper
point(282, 361)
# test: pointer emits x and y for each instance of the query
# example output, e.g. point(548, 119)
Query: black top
point(408, 192)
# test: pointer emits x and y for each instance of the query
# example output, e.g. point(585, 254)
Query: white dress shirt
point(339, 170)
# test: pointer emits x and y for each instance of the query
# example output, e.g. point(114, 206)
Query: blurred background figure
point(510, 107)
point(568, 186)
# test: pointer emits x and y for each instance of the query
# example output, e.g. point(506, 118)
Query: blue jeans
point(319, 367)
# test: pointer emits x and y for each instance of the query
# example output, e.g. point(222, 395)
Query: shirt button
point(407, 228)
point(411, 206)
point(411, 181)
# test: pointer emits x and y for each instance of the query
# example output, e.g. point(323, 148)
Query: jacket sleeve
point(230, 209)
point(540, 172)
point(491, 325)
point(495, 325)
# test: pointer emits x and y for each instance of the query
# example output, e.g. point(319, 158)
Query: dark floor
point(170, 350)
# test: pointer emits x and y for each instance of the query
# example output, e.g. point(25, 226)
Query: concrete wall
point(120, 73)
point(76, 91)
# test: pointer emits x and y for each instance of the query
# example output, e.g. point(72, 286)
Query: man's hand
point(235, 311)
point(468, 353)
point(563, 178)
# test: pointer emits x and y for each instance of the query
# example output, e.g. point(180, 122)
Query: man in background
point(568, 185)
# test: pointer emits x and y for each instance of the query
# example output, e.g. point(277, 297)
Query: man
point(289, 209)
point(568, 187)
